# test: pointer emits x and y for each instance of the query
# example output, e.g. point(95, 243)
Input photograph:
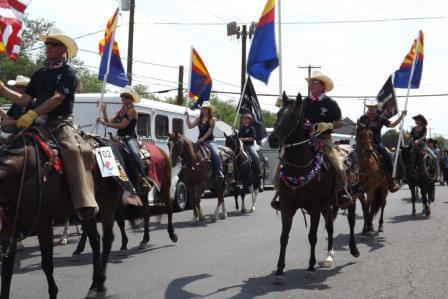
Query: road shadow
point(374, 240)
point(294, 279)
point(407, 217)
point(175, 288)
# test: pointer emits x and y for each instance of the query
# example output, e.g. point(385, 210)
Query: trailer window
point(161, 126)
point(178, 125)
point(144, 125)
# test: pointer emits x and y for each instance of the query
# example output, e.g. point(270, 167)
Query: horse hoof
point(355, 252)
point(201, 218)
point(213, 219)
point(310, 274)
point(380, 229)
point(413, 213)
point(143, 245)
point(243, 211)
point(94, 294)
point(75, 257)
point(173, 238)
point(279, 279)
point(223, 216)
point(20, 246)
point(327, 264)
point(63, 241)
point(252, 209)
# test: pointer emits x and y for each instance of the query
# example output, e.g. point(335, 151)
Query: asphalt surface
point(236, 257)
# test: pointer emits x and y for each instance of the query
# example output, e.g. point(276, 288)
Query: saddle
point(226, 155)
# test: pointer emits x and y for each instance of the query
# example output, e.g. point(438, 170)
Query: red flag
point(11, 19)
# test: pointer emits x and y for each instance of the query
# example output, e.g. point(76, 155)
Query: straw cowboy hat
point(59, 35)
point(132, 93)
point(208, 105)
point(422, 118)
point(19, 81)
point(249, 116)
point(372, 102)
point(328, 83)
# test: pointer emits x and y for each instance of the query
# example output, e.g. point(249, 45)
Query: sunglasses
point(125, 96)
point(53, 44)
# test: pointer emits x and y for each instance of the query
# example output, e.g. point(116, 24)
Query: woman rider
point(206, 122)
point(125, 121)
point(418, 134)
point(248, 136)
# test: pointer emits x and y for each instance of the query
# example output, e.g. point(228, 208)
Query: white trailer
point(155, 120)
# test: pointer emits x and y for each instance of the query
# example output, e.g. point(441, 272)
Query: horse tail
point(166, 184)
point(378, 200)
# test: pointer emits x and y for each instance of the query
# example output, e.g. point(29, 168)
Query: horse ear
point(225, 135)
point(285, 98)
point(299, 99)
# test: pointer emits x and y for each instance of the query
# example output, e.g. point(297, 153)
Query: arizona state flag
point(402, 76)
point(116, 75)
point(263, 58)
point(200, 81)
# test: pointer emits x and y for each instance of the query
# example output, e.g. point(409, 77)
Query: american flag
point(11, 18)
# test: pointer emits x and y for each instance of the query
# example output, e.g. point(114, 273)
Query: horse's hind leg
point(235, 195)
point(45, 237)
point(7, 269)
point(89, 227)
point(287, 215)
point(64, 236)
point(121, 226)
point(146, 214)
point(327, 214)
point(80, 247)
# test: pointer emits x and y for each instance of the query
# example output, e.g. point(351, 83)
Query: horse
point(197, 173)
point(305, 183)
point(244, 173)
point(160, 193)
point(33, 194)
point(419, 173)
point(373, 179)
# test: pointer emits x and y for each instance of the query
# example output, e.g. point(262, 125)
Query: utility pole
point(234, 29)
point(309, 67)
point(180, 87)
point(130, 39)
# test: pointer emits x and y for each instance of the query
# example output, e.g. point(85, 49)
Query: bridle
point(238, 145)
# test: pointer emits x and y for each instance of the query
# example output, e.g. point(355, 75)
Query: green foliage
point(32, 29)
point(390, 138)
point(440, 140)
point(141, 89)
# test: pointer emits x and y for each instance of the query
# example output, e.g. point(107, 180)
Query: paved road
point(235, 258)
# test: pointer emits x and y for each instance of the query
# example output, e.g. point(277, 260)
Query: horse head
point(233, 142)
point(289, 118)
point(364, 139)
point(176, 143)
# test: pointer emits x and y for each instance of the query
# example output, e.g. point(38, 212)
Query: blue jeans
point(253, 153)
point(386, 157)
point(214, 152)
point(134, 151)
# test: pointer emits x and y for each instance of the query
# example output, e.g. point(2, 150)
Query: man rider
point(375, 123)
point(53, 86)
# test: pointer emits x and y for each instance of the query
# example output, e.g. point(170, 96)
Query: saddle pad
point(157, 165)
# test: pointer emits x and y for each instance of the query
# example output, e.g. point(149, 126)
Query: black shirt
point(46, 81)
point(247, 131)
point(130, 129)
point(375, 125)
point(203, 128)
point(322, 110)
point(417, 135)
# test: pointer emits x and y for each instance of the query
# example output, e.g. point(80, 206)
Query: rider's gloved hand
point(27, 119)
point(323, 127)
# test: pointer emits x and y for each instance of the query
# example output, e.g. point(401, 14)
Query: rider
point(375, 122)
point(53, 86)
point(206, 123)
point(418, 134)
point(125, 121)
point(248, 135)
point(325, 114)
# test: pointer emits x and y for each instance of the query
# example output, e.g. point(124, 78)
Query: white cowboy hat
point(19, 81)
point(58, 34)
point(372, 102)
point(328, 83)
point(207, 104)
point(128, 90)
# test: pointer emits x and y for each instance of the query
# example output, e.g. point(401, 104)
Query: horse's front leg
point(383, 205)
point(146, 215)
point(89, 226)
point(413, 198)
point(365, 213)
point(64, 236)
point(235, 195)
point(312, 238)
point(425, 201)
point(7, 269)
point(351, 217)
point(192, 193)
point(80, 247)
point(45, 237)
point(253, 193)
point(327, 214)
point(287, 216)
point(369, 220)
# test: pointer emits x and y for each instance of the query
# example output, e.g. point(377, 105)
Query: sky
point(358, 56)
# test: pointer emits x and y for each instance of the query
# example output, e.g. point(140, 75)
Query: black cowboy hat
point(421, 117)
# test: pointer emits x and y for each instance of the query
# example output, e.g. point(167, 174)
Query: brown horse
point(197, 173)
point(372, 178)
point(306, 183)
point(32, 196)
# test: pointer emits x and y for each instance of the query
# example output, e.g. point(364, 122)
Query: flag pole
point(189, 77)
point(400, 137)
point(239, 103)
point(280, 69)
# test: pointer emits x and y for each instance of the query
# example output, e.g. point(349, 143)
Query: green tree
point(390, 138)
point(440, 140)
point(141, 89)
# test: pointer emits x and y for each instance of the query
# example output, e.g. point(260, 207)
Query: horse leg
point(89, 227)
point(369, 222)
point(80, 247)
point(327, 214)
point(199, 192)
point(413, 197)
point(7, 270)
point(235, 195)
point(312, 238)
point(383, 205)
point(351, 217)
point(45, 237)
point(425, 201)
point(254, 197)
point(220, 200)
point(165, 192)
point(223, 204)
point(243, 196)
point(192, 192)
point(365, 213)
point(287, 216)
point(121, 226)
point(146, 214)
point(64, 236)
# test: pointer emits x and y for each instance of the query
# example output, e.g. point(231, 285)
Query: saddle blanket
point(156, 164)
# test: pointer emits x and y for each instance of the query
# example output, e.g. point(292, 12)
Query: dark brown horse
point(32, 196)
point(373, 179)
point(315, 188)
point(198, 174)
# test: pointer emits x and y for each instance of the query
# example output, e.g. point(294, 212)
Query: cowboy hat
point(19, 81)
point(372, 102)
point(316, 75)
point(248, 115)
point(421, 117)
point(59, 35)
point(208, 105)
point(128, 90)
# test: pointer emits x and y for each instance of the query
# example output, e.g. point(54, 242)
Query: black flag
point(387, 100)
point(250, 104)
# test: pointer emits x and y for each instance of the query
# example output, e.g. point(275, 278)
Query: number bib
point(106, 161)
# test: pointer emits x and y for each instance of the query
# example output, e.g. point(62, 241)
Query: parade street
point(236, 257)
